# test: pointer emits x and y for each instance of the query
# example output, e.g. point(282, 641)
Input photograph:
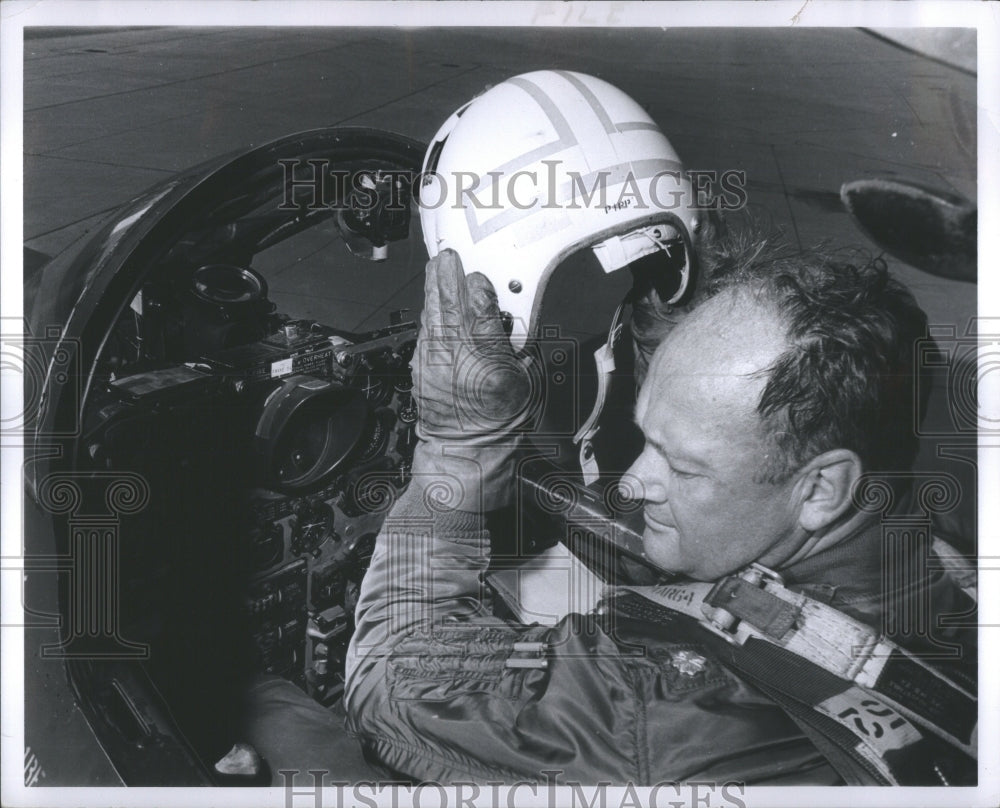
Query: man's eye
point(684, 475)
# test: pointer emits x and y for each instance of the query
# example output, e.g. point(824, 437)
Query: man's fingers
point(444, 292)
point(482, 295)
point(484, 311)
point(431, 315)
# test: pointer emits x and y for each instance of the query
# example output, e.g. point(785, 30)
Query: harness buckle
point(722, 621)
point(759, 574)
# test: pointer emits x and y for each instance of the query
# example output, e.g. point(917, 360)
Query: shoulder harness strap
point(869, 697)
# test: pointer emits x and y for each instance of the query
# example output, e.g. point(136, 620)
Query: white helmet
point(545, 164)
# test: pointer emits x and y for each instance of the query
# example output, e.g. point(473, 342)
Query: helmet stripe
point(595, 104)
point(548, 106)
point(612, 176)
point(632, 126)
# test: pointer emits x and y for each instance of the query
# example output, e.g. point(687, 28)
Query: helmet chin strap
point(605, 359)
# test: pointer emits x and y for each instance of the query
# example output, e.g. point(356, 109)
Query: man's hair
point(847, 379)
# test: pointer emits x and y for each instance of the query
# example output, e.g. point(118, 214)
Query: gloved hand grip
point(475, 396)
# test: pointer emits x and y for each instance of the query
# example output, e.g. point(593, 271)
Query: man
point(763, 411)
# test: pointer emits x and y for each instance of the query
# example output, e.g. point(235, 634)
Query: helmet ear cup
point(664, 272)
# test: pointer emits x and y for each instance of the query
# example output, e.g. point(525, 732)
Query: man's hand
point(474, 395)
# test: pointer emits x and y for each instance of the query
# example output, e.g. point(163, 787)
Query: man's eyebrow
point(653, 442)
point(656, 445)
point(683, 459)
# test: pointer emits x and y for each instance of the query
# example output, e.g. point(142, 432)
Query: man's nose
point(643, 481)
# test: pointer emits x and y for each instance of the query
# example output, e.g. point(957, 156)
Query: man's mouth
point(655, 523)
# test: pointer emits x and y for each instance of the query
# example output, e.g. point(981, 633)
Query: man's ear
point(825, 486)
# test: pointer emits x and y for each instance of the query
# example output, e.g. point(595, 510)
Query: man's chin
point(660, 545)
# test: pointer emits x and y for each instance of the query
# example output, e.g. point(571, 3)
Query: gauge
point(311, 525)
point(307, 429)
point(377, 434)
point(228, 285)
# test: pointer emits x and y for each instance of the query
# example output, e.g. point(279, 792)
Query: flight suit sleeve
point(424, 628)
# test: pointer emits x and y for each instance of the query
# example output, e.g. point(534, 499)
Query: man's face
point(705, 514)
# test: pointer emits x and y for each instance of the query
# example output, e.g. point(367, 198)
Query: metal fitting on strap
point(743, 598)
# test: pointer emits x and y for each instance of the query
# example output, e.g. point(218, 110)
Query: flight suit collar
point(848, 576)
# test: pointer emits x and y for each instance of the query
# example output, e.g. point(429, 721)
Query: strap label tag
point(875, 724)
